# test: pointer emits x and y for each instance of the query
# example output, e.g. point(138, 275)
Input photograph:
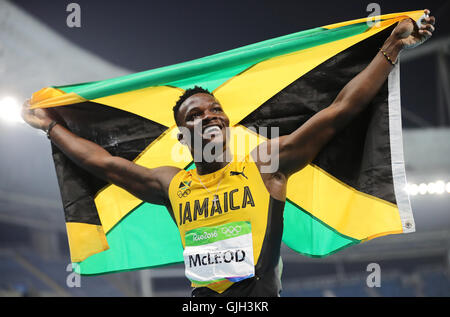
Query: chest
point(201, 205)
point(238, 195)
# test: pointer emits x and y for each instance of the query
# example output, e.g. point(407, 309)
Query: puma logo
point(233, 173)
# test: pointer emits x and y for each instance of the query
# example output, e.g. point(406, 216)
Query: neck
point(204, 168)
point(219, 162)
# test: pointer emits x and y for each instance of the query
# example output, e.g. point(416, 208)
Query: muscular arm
point(150, 185)
point(299, 148)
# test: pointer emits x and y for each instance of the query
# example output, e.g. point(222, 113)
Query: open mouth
point(212, 130)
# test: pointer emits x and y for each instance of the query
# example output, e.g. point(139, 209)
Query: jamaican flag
point(352, 192)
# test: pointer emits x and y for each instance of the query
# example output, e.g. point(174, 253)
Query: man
point(230, 211)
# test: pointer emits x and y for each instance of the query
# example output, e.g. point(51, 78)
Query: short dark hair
point(188, 93)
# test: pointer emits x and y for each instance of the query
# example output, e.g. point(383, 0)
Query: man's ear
point(180, 138)
point(184, 136)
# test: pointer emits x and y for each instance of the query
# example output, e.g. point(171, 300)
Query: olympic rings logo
point(181, 193)
point(231, 231)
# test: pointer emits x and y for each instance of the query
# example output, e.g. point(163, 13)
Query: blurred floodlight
point(440, 187)
point(10, 110)
point(431, 188)
point(423, 189)
point(437, 187)
point(413, 189)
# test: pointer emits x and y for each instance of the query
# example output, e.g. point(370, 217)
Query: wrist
point(391, 49)
point(45, 124)
point(49, 128)
point(393, 45)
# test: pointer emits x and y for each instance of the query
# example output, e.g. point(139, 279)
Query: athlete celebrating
point(229, 211)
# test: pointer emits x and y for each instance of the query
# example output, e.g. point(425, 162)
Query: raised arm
point(299, 148)
point(150, 185)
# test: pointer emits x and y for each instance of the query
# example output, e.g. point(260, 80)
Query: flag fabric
point(352, 192)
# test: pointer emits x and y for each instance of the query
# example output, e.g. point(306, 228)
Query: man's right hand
point(37, 118)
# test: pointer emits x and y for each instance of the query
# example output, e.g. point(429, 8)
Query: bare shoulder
point(165, 174)
point(155, 186)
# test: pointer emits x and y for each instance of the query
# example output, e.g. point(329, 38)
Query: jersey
point(231, 230)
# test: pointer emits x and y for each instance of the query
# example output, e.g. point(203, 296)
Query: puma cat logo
point(233, 173)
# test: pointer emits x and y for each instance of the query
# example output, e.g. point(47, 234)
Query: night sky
point(142, 35)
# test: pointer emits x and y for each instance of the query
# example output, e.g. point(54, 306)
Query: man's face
point(203, 116)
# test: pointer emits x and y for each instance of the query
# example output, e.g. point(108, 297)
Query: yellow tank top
point(235, 194)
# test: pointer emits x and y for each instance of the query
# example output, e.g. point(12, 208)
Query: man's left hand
point(410, 35)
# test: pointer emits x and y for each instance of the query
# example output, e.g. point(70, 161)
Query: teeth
point(212, 129)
